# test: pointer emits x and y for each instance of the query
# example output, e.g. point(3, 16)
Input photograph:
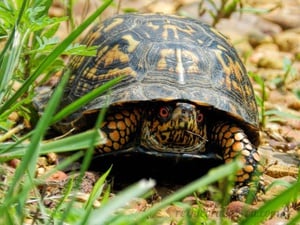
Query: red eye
point(164, 112)
point(199, 117)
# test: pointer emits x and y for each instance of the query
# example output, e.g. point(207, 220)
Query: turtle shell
point(163, 57)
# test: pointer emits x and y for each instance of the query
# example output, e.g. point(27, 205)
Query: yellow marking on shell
point(162, 63)
point(167, 26)
point(119, 72)
point(193, 61)
point(217, 33)
point(115, 54)
point(132, 42)
point(153, 26)
point(179, 67)
point(93, 36)
point(115, 22)
point(90, 73)
point(102, 50)
point(188, 30)
point(84, 88)
point(110, 73)
point(180, 57)
point(221, 47)
point(221, 60)
point(76, 61)
point(165, 33)
point(200, 41)
point(232, 67)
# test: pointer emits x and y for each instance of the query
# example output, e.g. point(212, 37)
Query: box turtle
point(185, 91)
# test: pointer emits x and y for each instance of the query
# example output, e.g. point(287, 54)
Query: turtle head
point(174, 126)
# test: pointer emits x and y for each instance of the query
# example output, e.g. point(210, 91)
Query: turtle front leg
point(235, 144)
point(120, 130)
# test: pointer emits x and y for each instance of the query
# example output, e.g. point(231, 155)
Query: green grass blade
point(10, 60)
point(71, 143)
point(10, 54)
point(96, 192)
point(53, 55)
point(11, 36)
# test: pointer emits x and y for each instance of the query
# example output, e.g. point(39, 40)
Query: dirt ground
point(268, 41)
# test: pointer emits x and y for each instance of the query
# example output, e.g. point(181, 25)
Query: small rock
point(295, 104)
point(88, 181)
point(258, 38)
point(278, 171)
point(266, 58)
point(52, 158)
point(84, 197)
point(236, 209)
point(14, 163)
point(58, 176)
point(175, 212)
point(287, 15)
point(191, 200)
point(40, 171)
point(14, 116)
point(138, 205)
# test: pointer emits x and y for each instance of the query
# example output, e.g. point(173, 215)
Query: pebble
point(288, 41)
point(236, 209)
point(14, 163)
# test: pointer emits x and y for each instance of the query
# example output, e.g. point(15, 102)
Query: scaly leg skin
point(235, 144)
point(119, 128)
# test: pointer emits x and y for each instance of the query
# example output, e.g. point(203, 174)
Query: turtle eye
point(199, 117)
point(164, 112)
